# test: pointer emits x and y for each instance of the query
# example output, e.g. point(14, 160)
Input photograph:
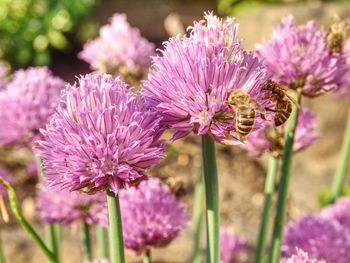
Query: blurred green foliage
point(324, 196)
point(231, 7)
point(29, 29)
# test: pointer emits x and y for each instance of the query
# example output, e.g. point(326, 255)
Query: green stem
point(20, 218)
point(197, 216)
point(269, 189)
point(102, 242)
point(211, 198)
point(86, 242)
point(52, 236)
point(2, 258)
point(116, 243)
point(342, 169)
point(147, 258)
point(51, 230)
point(283, 188)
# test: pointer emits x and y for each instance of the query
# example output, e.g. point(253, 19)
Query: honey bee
point(245, 109)
point(283, 102)
point(176, 185)
point(336, 35)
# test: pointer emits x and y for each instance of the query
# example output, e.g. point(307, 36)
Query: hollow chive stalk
point(268, 193)
point(284, 182)
point(2, 257)
point(147, 258)
point(102, 242)
point(20, 218)
point(197, 216)
point(52, 231)
point(86, 242)
point(211, 198)
point(343, 166)
point(116, 243)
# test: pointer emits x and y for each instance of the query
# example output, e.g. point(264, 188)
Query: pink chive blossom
point(151, 215)
point(65, 207)
point(232, 248)
point(118, 46)
point(321, 238)
point(101, 137)
point(299, 57)
point(344, 90)
point(340, 211)
point(191, 80)
point(27, 103)
point(271, 138)
point(301, 257)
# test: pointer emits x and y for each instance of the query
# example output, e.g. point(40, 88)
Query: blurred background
point(52, 32)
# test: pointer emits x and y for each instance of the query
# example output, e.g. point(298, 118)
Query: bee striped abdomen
point(283, 110)
point(245, 118)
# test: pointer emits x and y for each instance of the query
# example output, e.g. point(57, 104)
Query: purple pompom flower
point(151, 215)
point(321, 238)
point(191, 81)
point(65, 207)
point(27, 103)
point(301, 257)
point(299, 57)
point(100, 138)
point(232, 248)
point(340, 211)
point(271, 138)
point(119, 48)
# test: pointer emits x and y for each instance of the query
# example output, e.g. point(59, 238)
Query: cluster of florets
point(100, 137)
point(26, 104)
point(322, 238)
point(152, 216)
point(271, 138)
point(233, 248)
point(119, 49)
point(301, 58)
point(200, 82)
point(65, 207)
point(301, 257)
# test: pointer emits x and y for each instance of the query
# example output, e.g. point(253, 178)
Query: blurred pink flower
point(301, 257)
point(340, 211)
point(232, 248)
point(27, 103)
point(65, 207)
point(151, 215)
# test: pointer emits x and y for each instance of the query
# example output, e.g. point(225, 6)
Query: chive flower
point(233, 248)
point(301, 257)
point(65, 207)
point(26, 104)
point(339, 212)
point(300, 58)
point(101, 137)
point(322, 238)
point(152, 216)
point(191, 81)
point(119, 48)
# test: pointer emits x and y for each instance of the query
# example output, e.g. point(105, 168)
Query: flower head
point(232, 247)
point(100, 137)
point(321, 238)
point(119, 48)
point(27, 103)
point(151, 215)
point(340, 211)
point(192, 80)
point(271, 138)
point(301, 257)
point(65, 207)
point(299, 57)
